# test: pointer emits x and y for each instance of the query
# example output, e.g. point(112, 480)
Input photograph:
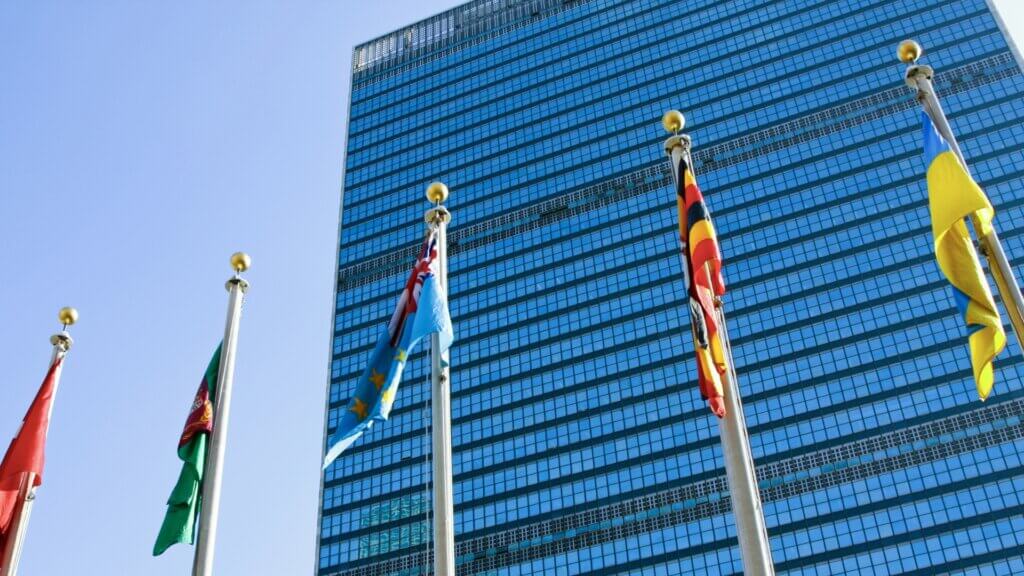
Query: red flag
point(27, 451)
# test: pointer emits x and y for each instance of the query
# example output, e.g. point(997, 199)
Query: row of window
point(662, 457)
point(471, 209)
point(479, 180)
point(813, 184)
point(932, 497)
point(783, 165)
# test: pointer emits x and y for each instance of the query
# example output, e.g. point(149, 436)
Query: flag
point(27, 452)
point(702, 267)
point(952, 196)
point(422, 309)
point(183, 505)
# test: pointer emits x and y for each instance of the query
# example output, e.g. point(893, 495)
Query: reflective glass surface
point(580, 442)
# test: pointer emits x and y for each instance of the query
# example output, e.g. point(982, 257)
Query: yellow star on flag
point(402, 355)
point(358, 408)
point(377, 378)
point(389, 395)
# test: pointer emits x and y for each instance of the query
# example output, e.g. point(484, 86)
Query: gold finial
point(67, 316)
point(437, 192)
point(909, 51)
point(673, 121)
point(240, 261)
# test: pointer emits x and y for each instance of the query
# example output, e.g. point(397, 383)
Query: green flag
point(183, 506)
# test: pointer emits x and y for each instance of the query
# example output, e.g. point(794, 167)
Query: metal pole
point(751, 531)
point(444, 504)
point(11, 553)
point(19, 525)
point(919, 77)
point(210, 506)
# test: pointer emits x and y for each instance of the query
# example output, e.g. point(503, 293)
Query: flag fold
point(27, 451)
point(953, 196)
point(185, 501)
point(702, 266)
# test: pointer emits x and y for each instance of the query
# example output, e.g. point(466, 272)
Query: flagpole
point(444, 507)
point(210, 505)
point(751, 531)
point(919, 77)
point(11, 554)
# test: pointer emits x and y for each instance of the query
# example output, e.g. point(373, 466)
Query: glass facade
point(581, 444)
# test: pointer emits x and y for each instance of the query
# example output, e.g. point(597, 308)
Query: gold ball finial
point(437, 192)
point(673, 121)
point(240, 261)
point(909, 51)
point(67, 316)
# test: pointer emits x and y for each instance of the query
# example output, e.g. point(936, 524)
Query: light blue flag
point(422, 310)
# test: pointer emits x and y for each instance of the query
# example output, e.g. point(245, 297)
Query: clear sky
point(140, 145)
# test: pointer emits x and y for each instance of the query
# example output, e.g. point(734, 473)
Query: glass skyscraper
point(581, 444)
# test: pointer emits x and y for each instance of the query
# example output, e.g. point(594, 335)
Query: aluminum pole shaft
point(444, 504)
point(920, 78)
point(19, 525)
point(210, 506)
point(751, 531)
point(10, 556)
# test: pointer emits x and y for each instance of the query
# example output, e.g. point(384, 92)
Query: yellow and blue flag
point(952, 196)
point(422, 310)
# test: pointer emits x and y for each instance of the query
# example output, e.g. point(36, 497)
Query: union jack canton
point(422, 310)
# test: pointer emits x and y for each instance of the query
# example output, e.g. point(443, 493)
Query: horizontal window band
point(891, 298)
point(660, 62)
point(794, 454)
point(750, 399)
point(670, 205)
point(373, 73)
point(480, 336)
point(561, 239)
point(687, 416)
point(665, 306)
point(849, 462)
point(626, 374)
point(583, 200)
point(920, 533)
point(650, 338)
point(654, 337)
point(674, 360)
point(555, 79)
point(384, 96)
point(654, 175)
point(980, 560)
point(845, 551)
point(635, 183)
point(741, 257)
point(895, 93)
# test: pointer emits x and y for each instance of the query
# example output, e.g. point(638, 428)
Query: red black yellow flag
point(702, 263)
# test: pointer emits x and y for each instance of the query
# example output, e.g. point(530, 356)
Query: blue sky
point(140, 145)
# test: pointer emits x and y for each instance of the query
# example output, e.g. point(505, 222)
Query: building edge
point(331, 330)
point(1006, 33)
